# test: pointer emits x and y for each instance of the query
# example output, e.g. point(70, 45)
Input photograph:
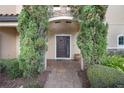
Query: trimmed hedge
point(102, 76)
point(11, 68)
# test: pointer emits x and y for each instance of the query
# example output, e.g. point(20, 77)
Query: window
point(121, 41)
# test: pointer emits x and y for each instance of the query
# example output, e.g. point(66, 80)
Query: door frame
point(56, 46)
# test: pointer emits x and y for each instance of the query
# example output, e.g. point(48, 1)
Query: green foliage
point(11, 68)
point(114, 61)
point(102, 76)
point(76, 10)
point(2, 67)
point(92, 38)
point(33, 22)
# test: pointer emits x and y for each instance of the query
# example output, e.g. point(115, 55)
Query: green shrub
point(2, 67)
point(114, 61)
point(32, 27)
point(103, 76)
point(92, 37)
point(11, 68)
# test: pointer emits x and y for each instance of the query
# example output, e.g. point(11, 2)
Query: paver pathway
point(63, 75)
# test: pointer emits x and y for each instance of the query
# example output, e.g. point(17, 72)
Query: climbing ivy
point(32, 26)
point(92, 39)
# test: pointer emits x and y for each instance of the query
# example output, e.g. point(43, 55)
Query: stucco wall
point(115, 14)
point(113, 32)
point(17, 45)
point(51, 44)
point(115, 19)
point(8, 42)
point(57, 29)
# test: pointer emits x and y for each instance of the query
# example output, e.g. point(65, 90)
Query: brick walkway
point(63, 75)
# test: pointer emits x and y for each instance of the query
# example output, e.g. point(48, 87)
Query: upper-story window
point(121, 41)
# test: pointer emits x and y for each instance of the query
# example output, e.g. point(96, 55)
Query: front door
point(62, 47)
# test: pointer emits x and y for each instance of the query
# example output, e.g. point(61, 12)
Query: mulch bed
point(83, 77)
point(6, 82)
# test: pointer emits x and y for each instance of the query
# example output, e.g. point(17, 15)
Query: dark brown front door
point(63, 46)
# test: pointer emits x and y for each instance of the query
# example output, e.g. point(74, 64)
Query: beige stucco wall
point(8, 42)
point(115, 14)
point(115, 19)
point(113, 32)
point(51, 44)
point(17, 45)
point(62, 29)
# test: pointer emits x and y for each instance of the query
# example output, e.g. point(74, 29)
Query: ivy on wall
point(32, 26)
point(92, 38)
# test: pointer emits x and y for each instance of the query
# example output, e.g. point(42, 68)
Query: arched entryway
point(62, 36)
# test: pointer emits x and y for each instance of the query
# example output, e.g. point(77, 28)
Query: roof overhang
point(8, 20)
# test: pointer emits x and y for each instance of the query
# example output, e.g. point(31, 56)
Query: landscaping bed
point(39, 81)
point(12, 77)
point(84, 79)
